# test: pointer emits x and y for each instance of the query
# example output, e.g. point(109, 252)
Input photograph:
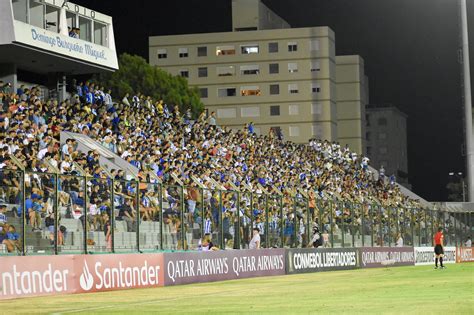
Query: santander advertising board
point(51, 275)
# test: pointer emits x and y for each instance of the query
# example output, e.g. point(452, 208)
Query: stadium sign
point(64, 45)
point(192, 267)
point(323, 259)
point(30, 276)
point(125, 271)
point(425, 255)
point(464, 254)
point(386, 256)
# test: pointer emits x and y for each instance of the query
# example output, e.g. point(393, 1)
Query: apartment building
point(352, 98)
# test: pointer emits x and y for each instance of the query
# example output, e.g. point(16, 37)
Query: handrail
point(17, 162)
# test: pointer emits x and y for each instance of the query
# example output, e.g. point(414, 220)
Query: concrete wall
point(352, 97)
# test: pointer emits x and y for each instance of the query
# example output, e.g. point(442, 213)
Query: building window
point(275, 110)
point(250, 111)
point(225, 50)
point(293, 110)
point(184, 73)
point(202, 72)
point(162, 53)
point(225, 71)
point(314, 45)
point(383, 150)
point(273, 68)
point(367, 120)
point(272, 47)
point(274, 89)
point(202, 51)
point(226, 112)
point(249, 69)
point(183, 52)
point(252, 90)
point(316, 108)
point(294, 131)
point(226, 92)
point(382, 121)
point(315, 66)
point(249, 49)
point(315, 87)
point(292, 46)
point(368, 136)
point(382, 136)
point(203, 92)
point(292, 67)
point(293, 88)
point(369, 151)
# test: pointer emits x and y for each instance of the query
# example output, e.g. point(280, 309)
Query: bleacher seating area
point(195, 177)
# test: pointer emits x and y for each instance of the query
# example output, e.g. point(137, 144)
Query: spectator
point(255, 241)
point(468, 242)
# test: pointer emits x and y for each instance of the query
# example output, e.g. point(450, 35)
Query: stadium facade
point(280, 78)
point(50, 39)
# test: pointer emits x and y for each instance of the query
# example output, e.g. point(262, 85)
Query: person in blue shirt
point(13, 238)
point(34, 207)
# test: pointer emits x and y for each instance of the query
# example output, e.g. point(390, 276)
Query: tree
point(135, 75)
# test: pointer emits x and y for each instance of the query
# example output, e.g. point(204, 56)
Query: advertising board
point(52, 275)
point(192, 267)
point(425, 255)
point(321, 259)
point(386, 256)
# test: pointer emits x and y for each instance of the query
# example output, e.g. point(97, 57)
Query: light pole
point(461, 178)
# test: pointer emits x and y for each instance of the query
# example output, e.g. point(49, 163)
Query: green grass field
point(399, 290)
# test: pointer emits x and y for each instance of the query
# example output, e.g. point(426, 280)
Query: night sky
point(410, 48)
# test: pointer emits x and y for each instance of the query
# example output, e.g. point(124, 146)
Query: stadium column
point(160, 215)
point(309, 221)
point(237, 223)
point(362, 220)
point(137, 200)
point(381, 238)
point(112, 215)
point(352, 226)
point(221, 227)
point(202, 211)
point(266, 222)
point(331, 220)
point(371, 224)
point(84, 215)
point(412, 224)
point(23, 214)
point(343, 230)
point(282, 224)
point(182, 226)
point(55, 209)
point(389, 222)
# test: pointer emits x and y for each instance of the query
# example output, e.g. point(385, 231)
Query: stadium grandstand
point(85, 171)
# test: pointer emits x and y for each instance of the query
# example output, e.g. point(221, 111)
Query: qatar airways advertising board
point(386, 256)
point(52, 275)
point(192, 267)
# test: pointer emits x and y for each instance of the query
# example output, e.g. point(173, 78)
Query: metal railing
point(85, 214)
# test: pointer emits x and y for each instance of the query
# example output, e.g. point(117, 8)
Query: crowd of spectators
point(158, 138)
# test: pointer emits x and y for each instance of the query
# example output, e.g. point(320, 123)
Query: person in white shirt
point(399, 242)
point(468, 242)
point(255, 241)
